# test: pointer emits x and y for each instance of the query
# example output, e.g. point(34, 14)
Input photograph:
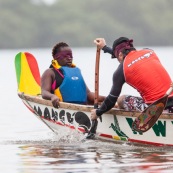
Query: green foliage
point(33, 23)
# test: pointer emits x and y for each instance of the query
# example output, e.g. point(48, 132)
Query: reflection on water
point(64, 154)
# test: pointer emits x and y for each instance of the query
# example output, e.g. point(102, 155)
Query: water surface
point(27, 145)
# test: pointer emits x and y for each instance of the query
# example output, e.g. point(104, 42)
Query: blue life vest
point(73, 88)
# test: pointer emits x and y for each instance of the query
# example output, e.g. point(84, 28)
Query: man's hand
point(93, 114)
point(55, 101)
point(100, 42)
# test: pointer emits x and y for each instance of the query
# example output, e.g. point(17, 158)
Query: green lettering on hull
point(159, 128)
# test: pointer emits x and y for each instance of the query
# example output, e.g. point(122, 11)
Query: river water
point(28, 146)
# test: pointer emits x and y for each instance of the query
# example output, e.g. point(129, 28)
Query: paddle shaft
point(95, 122)
point(97, 78)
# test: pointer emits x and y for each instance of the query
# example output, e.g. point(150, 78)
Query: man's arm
point(107, 49)
point(109, 102)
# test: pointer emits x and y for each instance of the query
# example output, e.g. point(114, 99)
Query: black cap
point(117, 42)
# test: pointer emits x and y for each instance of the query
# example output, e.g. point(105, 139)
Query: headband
point(124, 45)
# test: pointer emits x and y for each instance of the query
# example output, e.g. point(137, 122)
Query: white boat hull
point(116, 124)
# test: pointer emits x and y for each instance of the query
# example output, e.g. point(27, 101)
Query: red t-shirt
point(144, 72)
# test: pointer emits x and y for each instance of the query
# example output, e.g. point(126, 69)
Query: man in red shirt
point(141, 69)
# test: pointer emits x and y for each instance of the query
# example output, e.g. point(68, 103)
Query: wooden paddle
point(151, 114)
point(94, 123)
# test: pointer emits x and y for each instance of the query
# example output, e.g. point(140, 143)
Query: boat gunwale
point(38, 99)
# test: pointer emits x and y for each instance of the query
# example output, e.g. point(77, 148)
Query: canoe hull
point(116, 124)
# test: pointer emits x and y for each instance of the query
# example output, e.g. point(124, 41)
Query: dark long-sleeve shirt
point(118, 81)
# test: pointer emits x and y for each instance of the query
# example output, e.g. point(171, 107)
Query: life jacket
point(73, 88)
point(144, 72)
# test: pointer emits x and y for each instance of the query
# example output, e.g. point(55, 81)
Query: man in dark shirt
point(120, 49)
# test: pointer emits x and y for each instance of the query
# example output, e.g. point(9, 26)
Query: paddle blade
point(27, 73)
point(150, 115)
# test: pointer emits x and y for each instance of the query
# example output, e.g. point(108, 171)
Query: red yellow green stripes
point(27, 73)
point(18, 67)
